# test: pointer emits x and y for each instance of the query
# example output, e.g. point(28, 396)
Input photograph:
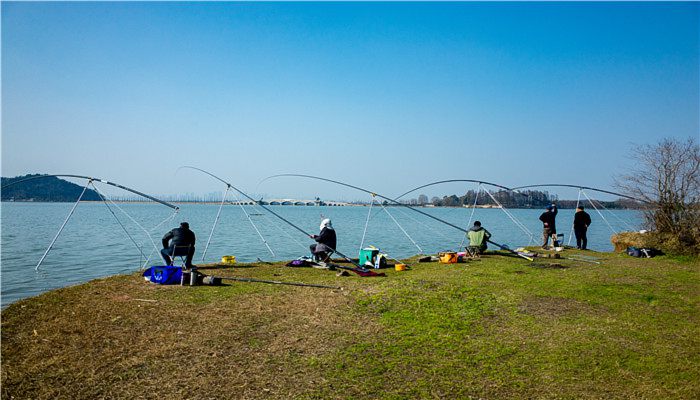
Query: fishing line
point(252, 223)
point(572, 226)
point(362, 242)
point(104, 200)
point(599, 213)
point(378, 195)
point(471, 215)
point(270, 211)
point(424, 224)
point(516, 189)
point(135, 222)
point(614, 215)
point(168, 218)
point(278, 227)
point(402, 230)
point(94, 179)
point(62, 226)
point(216, 220)
point(148, 234)
point(515, 221)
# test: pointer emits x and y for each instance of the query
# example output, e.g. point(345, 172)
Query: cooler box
point(368, 254)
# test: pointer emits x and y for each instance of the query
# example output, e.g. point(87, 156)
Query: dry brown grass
point(124, 338)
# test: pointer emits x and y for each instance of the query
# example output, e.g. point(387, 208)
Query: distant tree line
point(511, 199)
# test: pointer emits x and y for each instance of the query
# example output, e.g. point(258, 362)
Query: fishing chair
point(473, 251)
point(181, 252)
point(323, 256)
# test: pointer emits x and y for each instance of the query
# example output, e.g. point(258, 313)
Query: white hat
point(326, 223)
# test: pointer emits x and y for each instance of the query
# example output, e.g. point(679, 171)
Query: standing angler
point(548, 219)
point(581, 223)
point(179, 242)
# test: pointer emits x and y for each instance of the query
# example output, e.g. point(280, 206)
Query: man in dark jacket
point(548, 219)
point(179, 242)
point(581, 223)
point(326, 241)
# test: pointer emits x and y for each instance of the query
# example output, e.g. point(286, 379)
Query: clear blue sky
point(389, 96)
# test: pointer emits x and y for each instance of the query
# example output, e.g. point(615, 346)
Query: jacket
point(179, 237)
point(582, 220)
point(478, 236)
point(548, 218)
point(327, 238)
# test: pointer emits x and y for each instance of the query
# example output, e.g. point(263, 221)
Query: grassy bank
point(498, 327)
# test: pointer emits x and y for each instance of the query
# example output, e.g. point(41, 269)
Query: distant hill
point(48, 189)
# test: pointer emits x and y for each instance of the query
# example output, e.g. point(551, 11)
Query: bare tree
point(667, 176)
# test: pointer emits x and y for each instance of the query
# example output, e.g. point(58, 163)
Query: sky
point(385, 96)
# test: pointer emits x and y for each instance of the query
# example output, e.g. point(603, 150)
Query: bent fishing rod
point(380, 196)
point(92, 179)
point(516, 189)
point(268, 210)
point(459, 180)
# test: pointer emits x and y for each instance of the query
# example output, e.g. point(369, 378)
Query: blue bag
point(164, 275)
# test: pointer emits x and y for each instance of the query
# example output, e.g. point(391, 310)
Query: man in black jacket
point(581, 223)
point(326, 241)
point(548, 219)
point(179, 242)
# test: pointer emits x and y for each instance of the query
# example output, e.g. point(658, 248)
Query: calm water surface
point(93, 244)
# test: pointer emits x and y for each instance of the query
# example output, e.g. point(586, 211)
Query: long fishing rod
point(269, 210)
point(280, 283)
point(377, 195)
point(91, 181)
point(458, 180)
point(580, 187)
point(94, 180)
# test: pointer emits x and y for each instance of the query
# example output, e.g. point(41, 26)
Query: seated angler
point(179, 242)
point(478, 237)
point(326, 241)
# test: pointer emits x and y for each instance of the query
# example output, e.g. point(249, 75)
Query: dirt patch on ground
point(97, 341)
point(555, 307)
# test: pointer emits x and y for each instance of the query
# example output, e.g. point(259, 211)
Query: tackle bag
point(643, 252)
point(448, 257)
point(164, 275)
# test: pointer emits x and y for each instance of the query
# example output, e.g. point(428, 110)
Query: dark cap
point(185, 225)
point(477, 223)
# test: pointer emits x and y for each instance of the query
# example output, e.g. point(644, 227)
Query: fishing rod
point(91, 181)
point(459, 180)
point(380, 196)
point(504, 247)
point(174, 207)
point(269, 210)
point(516, 189)
point(281, 283)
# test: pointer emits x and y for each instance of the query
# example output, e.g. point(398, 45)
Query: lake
point(94, 245)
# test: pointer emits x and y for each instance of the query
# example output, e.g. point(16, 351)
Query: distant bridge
point(292, 202)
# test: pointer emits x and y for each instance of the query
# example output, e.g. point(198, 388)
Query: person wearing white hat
point(326, 241)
